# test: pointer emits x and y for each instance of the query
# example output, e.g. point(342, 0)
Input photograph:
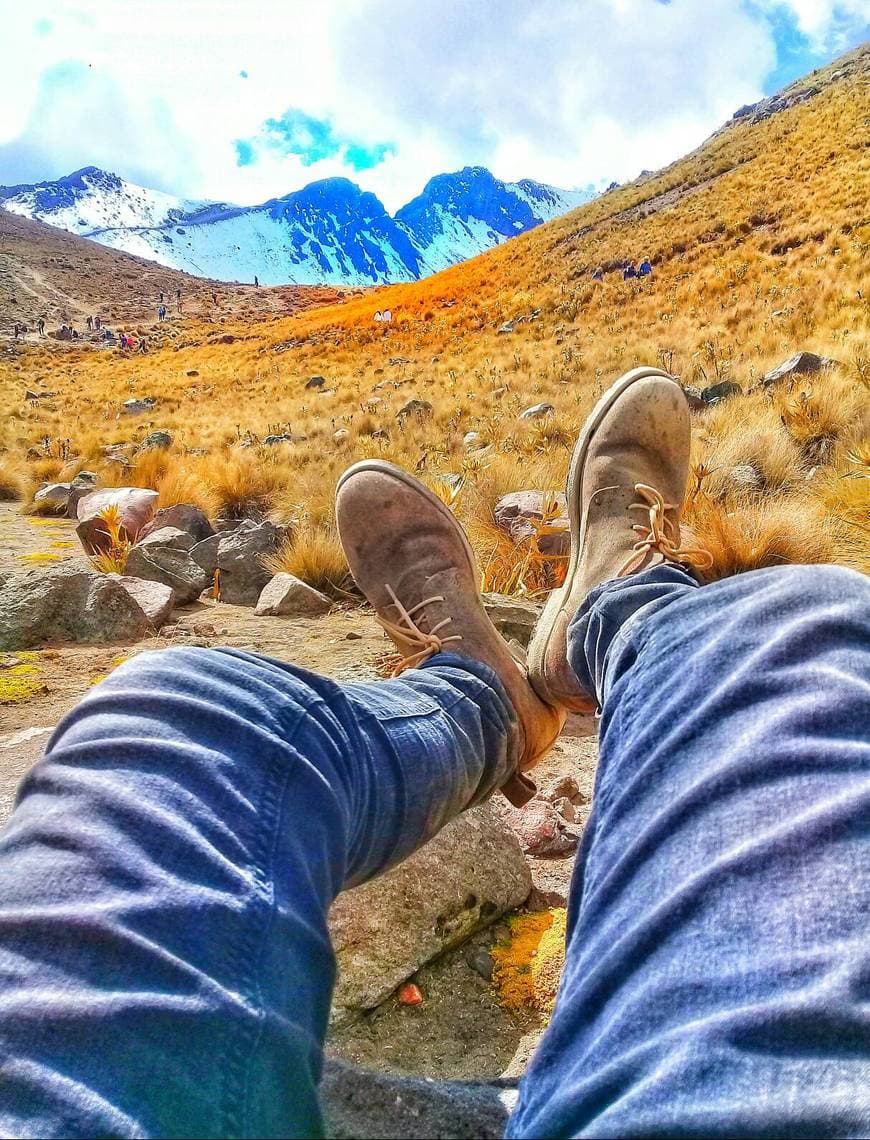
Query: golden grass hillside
point(759, 242)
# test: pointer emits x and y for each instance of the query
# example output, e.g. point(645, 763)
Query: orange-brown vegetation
point(759, 242)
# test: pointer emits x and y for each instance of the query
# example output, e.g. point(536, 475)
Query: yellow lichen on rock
point(529, 966)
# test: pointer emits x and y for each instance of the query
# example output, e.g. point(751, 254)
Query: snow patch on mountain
point(329, 232)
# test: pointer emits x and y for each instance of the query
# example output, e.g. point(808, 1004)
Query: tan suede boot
point(411, 559)
point(626, 483)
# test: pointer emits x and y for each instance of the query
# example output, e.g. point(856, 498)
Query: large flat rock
point(469, 874)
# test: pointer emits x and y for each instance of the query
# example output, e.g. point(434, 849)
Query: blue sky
point(243, 100)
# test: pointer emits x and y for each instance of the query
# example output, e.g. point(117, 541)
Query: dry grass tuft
point(759, 535)
point(11, 481)
point(314, 555)
point(242, 484)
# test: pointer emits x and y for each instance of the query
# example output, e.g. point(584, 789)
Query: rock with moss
point(470, 874)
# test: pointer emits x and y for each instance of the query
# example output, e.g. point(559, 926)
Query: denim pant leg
point(717, 980)
point(165, 965)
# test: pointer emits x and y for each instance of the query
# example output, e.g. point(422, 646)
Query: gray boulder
point(315, 382)
point(238, 554)
point(53, 495)
point(181, 516)
point(288, 595)
point(164, 556)
point(155, 599)
point(462, 880)
point(514, 618)
point(516, 513)
point(536, 412)
point(801, 364)
point(67, 603)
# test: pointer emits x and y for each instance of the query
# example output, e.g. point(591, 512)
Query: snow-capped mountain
point(92, 199)
point(329, 232)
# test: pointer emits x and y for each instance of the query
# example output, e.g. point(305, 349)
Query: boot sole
point(544, 630)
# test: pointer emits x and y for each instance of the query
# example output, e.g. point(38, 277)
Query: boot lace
point(407, 631)
point(659, 535)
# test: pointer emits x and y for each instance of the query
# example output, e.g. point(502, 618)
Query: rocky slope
point(329, 232)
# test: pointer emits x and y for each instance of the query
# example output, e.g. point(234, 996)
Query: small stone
point(565, 809)
point(353, 636)
point(537, 412)
point(566, 787)
point(507, 327)
point(419, 409)
point(518, 513)
point(539, 828)
point(156, 441)
point(409, 994)
point(288, 595)
point(473, 441)
point(723, 391)
point(481, 962)
point(342, 435)
point(139, 407)
point(180, 516)
point(315, 382)
point(695, 399)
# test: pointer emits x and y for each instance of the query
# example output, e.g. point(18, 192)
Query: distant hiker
point(161, 296)
point(178, 294)
point(598, 275)
point(18, 329)
point(629, 271)
point(40, 326)
point(256, 281)
point(142, 346)
point(122, 341)
point(98, 324)
point(644, 269)
point(161, 312)
point(214, 297)
point(90, 324)
point(379, 315)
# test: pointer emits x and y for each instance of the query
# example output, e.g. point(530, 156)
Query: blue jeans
point(165, 967)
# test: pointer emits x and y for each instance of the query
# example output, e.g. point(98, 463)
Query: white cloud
point(828, 24)
point(569, 92)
